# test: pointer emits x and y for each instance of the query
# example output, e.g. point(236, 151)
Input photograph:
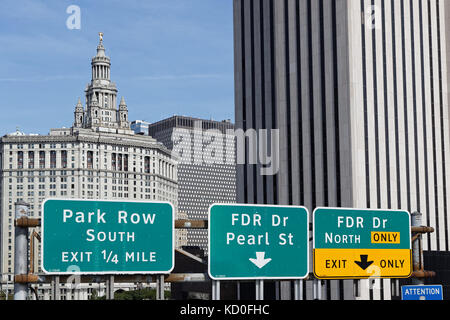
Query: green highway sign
point(258, 242)
point(361, 243)
point(107, 237)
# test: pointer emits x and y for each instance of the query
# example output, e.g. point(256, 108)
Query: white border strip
point(107, 272)
point(257, 278)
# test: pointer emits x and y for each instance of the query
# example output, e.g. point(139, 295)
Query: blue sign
point(429, 292)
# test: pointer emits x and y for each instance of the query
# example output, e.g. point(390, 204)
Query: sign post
point(258, 242)
point(107, 237)
point(361, 243)
point(21, 252)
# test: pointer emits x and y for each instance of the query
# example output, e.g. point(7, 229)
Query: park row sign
point(245, 241)
point(107, 237)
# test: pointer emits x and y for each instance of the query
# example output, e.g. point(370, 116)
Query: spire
point(79, 107)
point(100, 47)
point(101, 63)
point(123, 114)
point(79, 115)
point(122, 105)
point(94, 101)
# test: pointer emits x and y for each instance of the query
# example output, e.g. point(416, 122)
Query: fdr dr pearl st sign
point(258, 242)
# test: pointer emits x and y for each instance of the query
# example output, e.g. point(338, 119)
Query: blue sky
point(168, 57)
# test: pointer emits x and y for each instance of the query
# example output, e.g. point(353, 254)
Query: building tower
point(79, 115)
point(93, 112)
point(102, 114)
point(123, 115)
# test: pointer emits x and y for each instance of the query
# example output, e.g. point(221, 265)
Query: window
point(64, 159)
point(113, 161)
point(90, 160)
point(147, 165)
point(52, 159)
point(20, 160)
point(125, 162)
point(41, 159)
point(30, 159)
point(119, 162)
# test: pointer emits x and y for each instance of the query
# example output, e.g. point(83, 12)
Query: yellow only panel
point(384, 237)
point(362, 263)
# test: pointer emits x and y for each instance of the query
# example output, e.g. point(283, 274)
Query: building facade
point(359, 93)
point(206, 169)
point(100, 157)
point(140, 127)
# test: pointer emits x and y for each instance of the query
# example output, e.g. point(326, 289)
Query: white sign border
point(63, 273)
point(365, 210)
point(257, 278)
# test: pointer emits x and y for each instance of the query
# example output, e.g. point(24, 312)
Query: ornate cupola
point(101, 64)
point(101, 112)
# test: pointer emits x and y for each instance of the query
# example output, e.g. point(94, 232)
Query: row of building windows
point(82, 145)
point(41, 158)
point(119, 162)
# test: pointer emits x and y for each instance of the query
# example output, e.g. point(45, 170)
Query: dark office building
point(358, 92)
point(206, 169)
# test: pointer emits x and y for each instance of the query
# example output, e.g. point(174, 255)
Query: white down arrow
point(260, 261)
